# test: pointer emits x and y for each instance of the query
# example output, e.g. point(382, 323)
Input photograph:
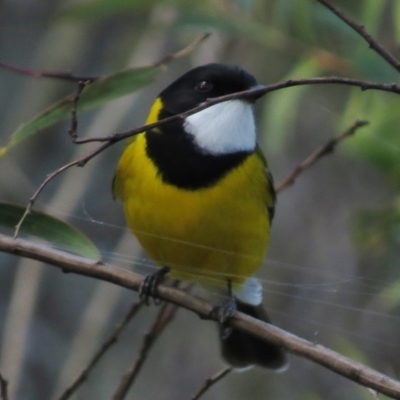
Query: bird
point(198, 195)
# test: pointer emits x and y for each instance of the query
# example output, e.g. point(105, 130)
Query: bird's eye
point(203, 86)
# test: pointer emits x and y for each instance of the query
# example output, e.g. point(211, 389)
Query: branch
point(324, 150)
point(116, 137)
point(73, 130)
point(330, 359)
point(35, 73)
point(373, 44)
point(71, 389)
point(67, 76)
point(82, 83)
point(3, 388)
point(184, 52)
point(164, 317)
point(211, 381)
point(80, 162)
point(259, 91)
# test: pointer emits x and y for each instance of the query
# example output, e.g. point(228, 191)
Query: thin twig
point(3, 388)
point(259, 91)
point(71, 389)
point(373, 44)
point(81, 162)
point(324, 150)
point(116, 137)
point(184, 52)
point(67, 76)
point(319, 354)
point(211, 381)
point(73, 131)
point(35, 73)
point(164, 317)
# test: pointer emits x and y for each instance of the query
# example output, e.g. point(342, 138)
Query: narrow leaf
point(105, 89)
point(46, 227)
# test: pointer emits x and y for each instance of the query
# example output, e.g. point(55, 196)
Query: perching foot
point(223, 311)
point(148, 288)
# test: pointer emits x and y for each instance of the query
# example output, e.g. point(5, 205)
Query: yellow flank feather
point(206, 235)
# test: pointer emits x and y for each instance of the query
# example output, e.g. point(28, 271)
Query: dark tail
point(242, 350)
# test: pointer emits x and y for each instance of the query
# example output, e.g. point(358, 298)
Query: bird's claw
point(148, 288)
point(223, 312)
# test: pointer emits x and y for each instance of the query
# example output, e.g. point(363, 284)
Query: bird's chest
point(201, 228)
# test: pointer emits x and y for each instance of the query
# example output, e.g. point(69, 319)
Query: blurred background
point(332, 274)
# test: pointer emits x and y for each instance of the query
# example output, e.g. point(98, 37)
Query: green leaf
point(48, 228)
point(103, 90)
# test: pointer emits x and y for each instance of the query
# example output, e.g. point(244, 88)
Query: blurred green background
point(332, 274)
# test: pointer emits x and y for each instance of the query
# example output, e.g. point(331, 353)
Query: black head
point(202, 83)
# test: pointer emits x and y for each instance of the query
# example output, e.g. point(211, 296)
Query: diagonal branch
point(71, 389)
point(36, 73)
point(373, 44)
point(79, 161)
point(164, 317)
point(67, 76)
point(211, 381)
point(324, 150)
point(184, 52)
point(82, 83)
point(259, 91)
point(108, 141)
point(317, 353)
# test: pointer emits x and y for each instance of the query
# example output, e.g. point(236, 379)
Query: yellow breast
point(205, 235)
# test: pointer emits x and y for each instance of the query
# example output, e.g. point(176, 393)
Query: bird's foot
point(148, 288)
point(223, 311)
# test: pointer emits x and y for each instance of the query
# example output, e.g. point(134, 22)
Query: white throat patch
point(227, 127)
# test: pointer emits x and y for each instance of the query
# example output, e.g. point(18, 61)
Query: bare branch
point(164, 317)
point(373, 44)
point(73, 131)
point(116, 137)
point(3, 388)
point(35, 73)
point(184, 52)
point(67, 76)
point(324, 150)
point(319, 354)
point(259, 91)
point(71, 389)
point(211, 381)
point(80, 162)
point(83, 82)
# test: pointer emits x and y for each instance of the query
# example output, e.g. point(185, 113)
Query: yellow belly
point(206, 235)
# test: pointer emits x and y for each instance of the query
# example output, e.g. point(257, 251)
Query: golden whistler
point(198, 195)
